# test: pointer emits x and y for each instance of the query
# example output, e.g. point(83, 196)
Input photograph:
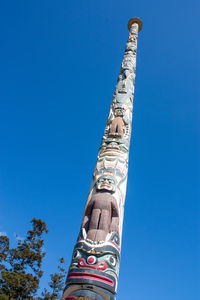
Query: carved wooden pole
point(94, 269)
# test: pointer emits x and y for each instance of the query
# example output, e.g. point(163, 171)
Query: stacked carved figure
point(94, 269)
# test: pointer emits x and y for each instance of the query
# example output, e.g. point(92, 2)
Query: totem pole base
point(88, 292)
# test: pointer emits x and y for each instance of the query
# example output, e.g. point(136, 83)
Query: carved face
point(119, 112)
point(106, 182)
point(99, 268)
point(107, 262)
point(110, 145)
point(132, 38)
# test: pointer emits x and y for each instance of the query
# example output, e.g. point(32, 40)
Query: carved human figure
point(117, 127)
point(122, 84)
point(125, 82)
point(118, 124)
point(124, 74)
point(101, 217)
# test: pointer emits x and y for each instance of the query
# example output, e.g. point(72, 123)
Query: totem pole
point(94, 269)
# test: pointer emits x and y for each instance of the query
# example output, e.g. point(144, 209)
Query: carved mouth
point(110, 148)
point(112, 152)
point(105, 186)
point(92, 277)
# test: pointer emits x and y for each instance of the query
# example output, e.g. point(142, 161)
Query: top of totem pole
point(135, 20)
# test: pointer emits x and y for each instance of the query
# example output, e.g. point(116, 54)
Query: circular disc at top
point(135, 20)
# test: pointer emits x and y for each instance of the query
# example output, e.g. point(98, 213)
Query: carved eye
point(116, 239)
point(112, 261)
point(76, 254)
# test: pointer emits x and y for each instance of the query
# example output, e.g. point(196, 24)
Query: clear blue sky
point(59, 65)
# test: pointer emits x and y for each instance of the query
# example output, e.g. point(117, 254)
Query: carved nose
point(102, 265)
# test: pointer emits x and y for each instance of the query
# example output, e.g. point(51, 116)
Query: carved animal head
point(99, 265)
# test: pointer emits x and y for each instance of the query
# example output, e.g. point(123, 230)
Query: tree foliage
point(57, 282)
point(21, 266)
